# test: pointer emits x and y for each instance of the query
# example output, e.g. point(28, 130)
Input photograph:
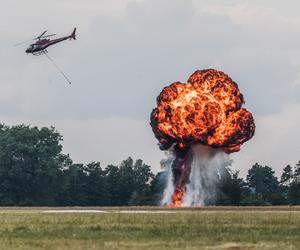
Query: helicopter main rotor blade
point(41, 35)
point(48, 35)
point(36, 38)
point(17, 44)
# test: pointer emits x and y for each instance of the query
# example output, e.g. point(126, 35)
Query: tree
point(285, 181)
point(30, 160)
point(264, 185)
point(142, 182)
point(126, 182)
point(294, 187)
point(294, 194)
point(230, 188)
point(112, 180)
point(96, 186)
point(76, 180)
point(286, 176)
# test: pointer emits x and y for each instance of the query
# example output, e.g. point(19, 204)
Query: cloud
point(275, 143)
point(109, 141)
point(127, 51)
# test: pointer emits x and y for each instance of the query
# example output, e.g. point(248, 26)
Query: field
point(151, 228)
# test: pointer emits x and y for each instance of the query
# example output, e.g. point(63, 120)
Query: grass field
point(172, 229)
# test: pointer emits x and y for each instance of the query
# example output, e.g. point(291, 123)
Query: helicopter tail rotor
point(73, 35)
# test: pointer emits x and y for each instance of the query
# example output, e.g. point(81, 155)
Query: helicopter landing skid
point(42, 52)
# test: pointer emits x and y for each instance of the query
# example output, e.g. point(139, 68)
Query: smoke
point(207, 170)
point(207, 166)
point(169, 190)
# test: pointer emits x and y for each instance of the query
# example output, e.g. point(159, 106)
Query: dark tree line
point(35, 172)
point(261, 187)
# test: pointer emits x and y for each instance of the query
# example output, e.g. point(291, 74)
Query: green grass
point(31, 229)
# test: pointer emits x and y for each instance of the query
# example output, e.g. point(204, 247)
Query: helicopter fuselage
point(43, 44)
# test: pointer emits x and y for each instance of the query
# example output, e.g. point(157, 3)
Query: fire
point(179, 191)
point(177, 197)
point(206, 110)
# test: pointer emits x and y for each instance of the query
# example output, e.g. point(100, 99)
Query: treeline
point(261, 187)
point(35, 172)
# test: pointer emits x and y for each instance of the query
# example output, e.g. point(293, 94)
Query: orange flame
point(179, 190)
point(206, 110)
point(177, 197)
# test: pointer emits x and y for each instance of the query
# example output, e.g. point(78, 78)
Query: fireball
point(206, 110)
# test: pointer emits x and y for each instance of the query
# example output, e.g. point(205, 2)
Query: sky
point(128, 50)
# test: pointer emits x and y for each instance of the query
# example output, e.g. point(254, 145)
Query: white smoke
point(169, 190)
point(207, 167)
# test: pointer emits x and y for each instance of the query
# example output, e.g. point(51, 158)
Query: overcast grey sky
point(128, 50)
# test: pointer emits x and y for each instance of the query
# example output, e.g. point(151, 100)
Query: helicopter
point(42, 43)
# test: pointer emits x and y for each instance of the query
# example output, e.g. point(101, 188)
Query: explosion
point(207, 110)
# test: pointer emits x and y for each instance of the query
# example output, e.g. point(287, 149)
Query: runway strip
point(74, 211)
point(145, 212)
point(111, 211)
